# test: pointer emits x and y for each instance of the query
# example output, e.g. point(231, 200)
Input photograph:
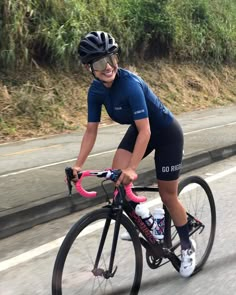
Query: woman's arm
point(87, 144)
point(141, 143)
point(144, 133)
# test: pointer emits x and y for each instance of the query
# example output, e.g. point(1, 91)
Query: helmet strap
point(92, 71)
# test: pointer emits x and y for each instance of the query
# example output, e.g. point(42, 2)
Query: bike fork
point(111, 273)
point(98, 271)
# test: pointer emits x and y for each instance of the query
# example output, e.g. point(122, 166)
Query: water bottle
point(142, 211)
point(159, 218)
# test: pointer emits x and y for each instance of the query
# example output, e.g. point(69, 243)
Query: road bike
point(93, 259)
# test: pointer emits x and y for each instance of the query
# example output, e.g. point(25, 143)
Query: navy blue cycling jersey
point(128, 99)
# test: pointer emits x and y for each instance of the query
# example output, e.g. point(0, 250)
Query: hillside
point(42, 101)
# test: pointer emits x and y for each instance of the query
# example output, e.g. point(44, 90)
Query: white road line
point(14, 261)
point(102, 153)
point(210, 128)
point(29, 255)
point(24, 257)
point(52, 135)
point(52, 164)
point(221, 174)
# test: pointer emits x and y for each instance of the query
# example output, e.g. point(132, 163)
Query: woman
point(128, 100)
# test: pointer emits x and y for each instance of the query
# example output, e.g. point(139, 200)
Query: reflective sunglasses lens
point(101, 64)
point(114, 59)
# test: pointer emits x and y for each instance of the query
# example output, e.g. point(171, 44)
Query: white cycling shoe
point(188, 261)
point(125, 236)
point(188, 257)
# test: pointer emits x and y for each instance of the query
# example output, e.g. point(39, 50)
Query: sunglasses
point(101, 64)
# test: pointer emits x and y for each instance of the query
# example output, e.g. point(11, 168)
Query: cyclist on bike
point(129, 100)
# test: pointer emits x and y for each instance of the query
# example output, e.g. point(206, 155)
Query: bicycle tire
point(171, 234)
point(197, 198)
point(60, 283)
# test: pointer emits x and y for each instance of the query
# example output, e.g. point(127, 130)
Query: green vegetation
point(49, 31)
point(184, 49)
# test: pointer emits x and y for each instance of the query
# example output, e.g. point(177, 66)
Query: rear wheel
point(197, 198)
point(74, 271)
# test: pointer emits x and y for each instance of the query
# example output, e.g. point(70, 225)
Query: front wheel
point(74, 271)
point(197, 199)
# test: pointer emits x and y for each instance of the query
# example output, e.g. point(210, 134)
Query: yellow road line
point(31, 150)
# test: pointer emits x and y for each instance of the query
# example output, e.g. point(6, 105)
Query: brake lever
point(69, 177)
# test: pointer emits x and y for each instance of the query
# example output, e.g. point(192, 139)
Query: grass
point(50, 101)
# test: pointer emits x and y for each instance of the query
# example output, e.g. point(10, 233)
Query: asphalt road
point(32, 171)
point(27, 258)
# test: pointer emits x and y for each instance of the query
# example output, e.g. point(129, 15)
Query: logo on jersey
point(139, 112)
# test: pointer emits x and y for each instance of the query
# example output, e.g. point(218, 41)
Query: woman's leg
point(169, 195)
point(121, 159)
point(124, 151)
point(168, 159)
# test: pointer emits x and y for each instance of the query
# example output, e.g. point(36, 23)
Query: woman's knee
point(168, 191)
point(121, 159)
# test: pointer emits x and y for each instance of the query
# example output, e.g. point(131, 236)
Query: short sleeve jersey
point(128, 99)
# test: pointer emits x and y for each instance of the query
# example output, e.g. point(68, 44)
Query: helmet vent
point(96, 44)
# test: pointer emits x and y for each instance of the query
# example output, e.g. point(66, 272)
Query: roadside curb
point(24, 217)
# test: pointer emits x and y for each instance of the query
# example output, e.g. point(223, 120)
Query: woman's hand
point(76, 169)
point(127, 176)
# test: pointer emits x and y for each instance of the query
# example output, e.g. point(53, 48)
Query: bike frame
point(156, 248)
point(118, 206)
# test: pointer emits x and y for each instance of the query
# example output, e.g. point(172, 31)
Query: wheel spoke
point(197, 199)
point(74, 271)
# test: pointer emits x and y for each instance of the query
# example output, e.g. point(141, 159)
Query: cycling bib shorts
point(167, 145)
